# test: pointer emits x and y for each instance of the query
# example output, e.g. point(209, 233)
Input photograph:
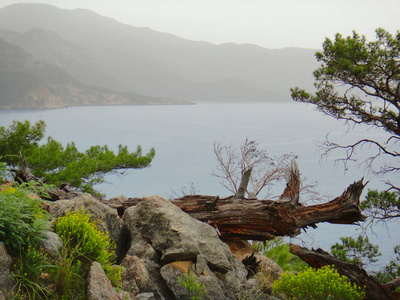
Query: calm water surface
point(183, 137)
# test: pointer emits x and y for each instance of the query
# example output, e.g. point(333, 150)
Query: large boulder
point(106, 218)
point(163, 236)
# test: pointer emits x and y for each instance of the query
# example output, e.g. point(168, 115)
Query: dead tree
point(252, 219)
point(319, 258)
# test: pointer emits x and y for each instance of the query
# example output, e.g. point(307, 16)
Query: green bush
point(321, 284)
point(86, 243)
point(194, 287)
point(277, 250)
point(22, 220)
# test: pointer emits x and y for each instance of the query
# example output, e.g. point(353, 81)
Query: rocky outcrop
point(171, 244)
point(160, 247)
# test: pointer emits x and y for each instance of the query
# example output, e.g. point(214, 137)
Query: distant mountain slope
point(148, 62)
point(29, 83)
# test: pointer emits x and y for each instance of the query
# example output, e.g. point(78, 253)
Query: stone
point(99, 287)
point(106, 218)
point(175, 234)
point(145, 296)
point(135, 273)
point(242, 249)
point(171, 244)
point(51, 244)
point(6, 280)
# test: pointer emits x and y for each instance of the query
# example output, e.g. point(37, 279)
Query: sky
point(267, 23)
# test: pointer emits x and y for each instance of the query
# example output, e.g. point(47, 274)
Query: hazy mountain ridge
point(100, 51)
point(29, 83)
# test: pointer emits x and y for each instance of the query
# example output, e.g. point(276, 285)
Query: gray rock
point(99, 286)
point(6, 281)
point(175, 234)
point(135, 273)
point(163, 236)
point(51, 244)
point(107, 219)
point(145, 296)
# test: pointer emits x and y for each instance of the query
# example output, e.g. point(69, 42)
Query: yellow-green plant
point(196, 289)
point(316, 284)
point(87, 242)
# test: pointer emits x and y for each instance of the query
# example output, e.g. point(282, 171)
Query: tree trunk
point(243, 184)
point(319, 258)
point(263, 219)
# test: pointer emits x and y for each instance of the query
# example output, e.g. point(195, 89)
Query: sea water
point(184, 137)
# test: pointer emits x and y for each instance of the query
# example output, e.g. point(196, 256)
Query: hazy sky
point(268, 23)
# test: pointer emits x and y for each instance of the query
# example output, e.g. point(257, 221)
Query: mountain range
point(52, 57)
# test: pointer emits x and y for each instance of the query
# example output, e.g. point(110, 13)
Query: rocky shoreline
point(157, 243)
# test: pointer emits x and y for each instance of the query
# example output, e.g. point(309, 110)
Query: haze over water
point(183, 137)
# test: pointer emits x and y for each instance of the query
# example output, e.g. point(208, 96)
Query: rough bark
point(262, 219)
point(292, 191)
point(319, 258)
point(243, 184)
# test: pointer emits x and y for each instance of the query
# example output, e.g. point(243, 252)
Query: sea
point(184, 137)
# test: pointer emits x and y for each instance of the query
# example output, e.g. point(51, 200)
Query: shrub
point(21, 217)
point(86, 243)
point(320, 284)
point(195, 288)
point(277, 250)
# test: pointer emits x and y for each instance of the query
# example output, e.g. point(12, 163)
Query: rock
point(178, 272)
point(106, 218)
point(51, 244)
point(99, 286)
point(243, 249)
point(6, 280)
point(65, 192)
point(171, 243)
point(145, 296)
point(136, 277)
point(175, 234)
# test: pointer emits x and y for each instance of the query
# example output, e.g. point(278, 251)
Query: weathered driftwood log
point(250, 219)
point(262, 219)
point(319, 258)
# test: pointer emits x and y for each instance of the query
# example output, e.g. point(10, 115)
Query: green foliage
point(196, 289)
point(19, 137)
point(86, 243)
point(324, 283)
point(58, 164)
point(358, 82)
point(68, 278)
point(368, 68)
point(360, 252)
point(22, 220)
point(29, 265)
point(277, 250)
point(381, 206)
point(392, 270)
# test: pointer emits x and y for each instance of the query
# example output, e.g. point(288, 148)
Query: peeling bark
point(261, 220)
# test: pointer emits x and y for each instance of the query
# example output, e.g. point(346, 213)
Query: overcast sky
point(268, 23)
